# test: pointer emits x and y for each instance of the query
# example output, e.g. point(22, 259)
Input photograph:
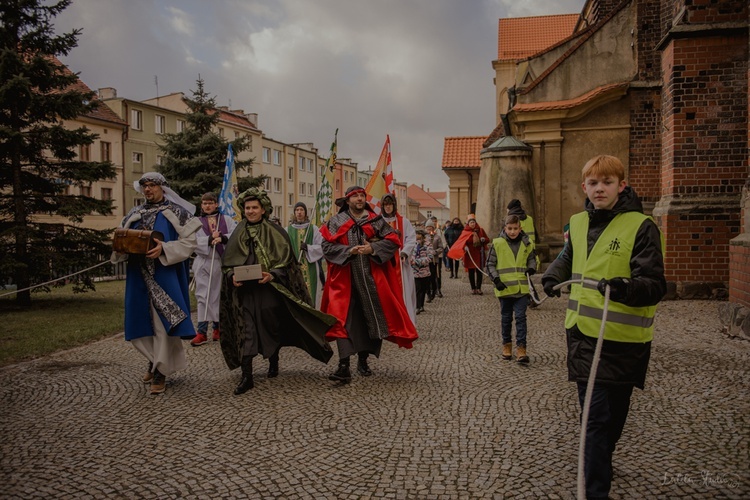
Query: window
point(302, 164)
point(291, 199)
point(311, 189)
point(84, 152)
point(137, 161)
point(276, 157)
point(106, 151)
point(338, 185)
point(221, 132)
point(290, 175)
point(429, 214)
point(159, 160)
point(266, 155)
point(160, 124)
point(267, 184)
point(136, 119)
point(302, 189)
point(106, 193)
point(277, 210)
point(180, 125)
point(236, 135)
point(86, 191)
point(277, 184)
point(309, 165)
point(138, 201)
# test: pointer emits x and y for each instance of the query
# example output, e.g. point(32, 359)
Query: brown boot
point(149, 375)
point(508, 350)
point(521, 356)
point(159, 383)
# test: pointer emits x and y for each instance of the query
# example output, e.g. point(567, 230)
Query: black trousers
point(421, 285)
point(607, 414)
point(475, 279)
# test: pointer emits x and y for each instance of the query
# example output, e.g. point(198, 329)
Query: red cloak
point(338, 288)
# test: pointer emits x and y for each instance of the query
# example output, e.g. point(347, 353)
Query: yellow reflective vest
point(527, 226)
point(609, 258)
point(512, 268)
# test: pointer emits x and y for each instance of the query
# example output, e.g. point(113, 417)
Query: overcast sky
point(419, 70)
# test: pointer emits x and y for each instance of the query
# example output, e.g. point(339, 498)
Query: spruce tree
point(38, 155)
point(194, 158)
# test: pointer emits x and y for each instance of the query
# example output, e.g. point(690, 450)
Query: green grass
point(60, 320)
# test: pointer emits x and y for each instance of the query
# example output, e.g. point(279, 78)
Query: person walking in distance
point(510, 260)
point(433, 239)
point(452, 233)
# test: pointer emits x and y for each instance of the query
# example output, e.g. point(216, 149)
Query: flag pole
point(330, 164)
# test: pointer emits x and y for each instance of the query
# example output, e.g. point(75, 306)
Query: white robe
point(407, 273)
point(313, 254)
point(207, 274)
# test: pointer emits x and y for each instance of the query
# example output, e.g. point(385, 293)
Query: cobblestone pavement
point(447, 419)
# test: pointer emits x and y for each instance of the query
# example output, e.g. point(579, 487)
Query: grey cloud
point(419, 70)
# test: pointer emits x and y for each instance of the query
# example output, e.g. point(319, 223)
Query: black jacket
point(620, 362)
point(452, 234)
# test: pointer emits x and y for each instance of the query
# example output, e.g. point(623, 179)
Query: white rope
point(54, 280)
point(466, 251)
point(587, 399)
point(581, 481)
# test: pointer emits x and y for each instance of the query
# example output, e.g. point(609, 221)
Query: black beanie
point(514, 203)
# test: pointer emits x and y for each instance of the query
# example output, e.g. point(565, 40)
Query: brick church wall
point(704, 152)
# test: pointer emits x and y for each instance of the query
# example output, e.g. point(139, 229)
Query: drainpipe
point(470, 192)
point(122, 145)
point(542, 225)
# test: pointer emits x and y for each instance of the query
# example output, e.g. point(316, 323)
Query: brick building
point(663, 86)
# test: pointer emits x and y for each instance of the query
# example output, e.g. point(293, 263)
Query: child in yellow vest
point(613, 243)
point(511, 258)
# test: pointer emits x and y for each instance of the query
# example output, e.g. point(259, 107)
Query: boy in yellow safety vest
point(511, 258)
point(611, 243)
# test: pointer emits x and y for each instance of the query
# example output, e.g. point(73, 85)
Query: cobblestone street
point(447, 419)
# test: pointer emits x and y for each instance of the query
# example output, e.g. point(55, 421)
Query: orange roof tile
point(422, 197)
point(237, 119)
point(568, 103)
point(522, 37)
point(462, 152)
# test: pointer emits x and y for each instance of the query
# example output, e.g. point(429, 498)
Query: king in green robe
point(261, 316)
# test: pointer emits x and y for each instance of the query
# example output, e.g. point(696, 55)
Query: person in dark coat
point(452, 234)
point(261, 316)
point(612, 243)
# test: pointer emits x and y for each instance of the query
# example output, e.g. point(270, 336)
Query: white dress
point(409, 238)
point(207, 273)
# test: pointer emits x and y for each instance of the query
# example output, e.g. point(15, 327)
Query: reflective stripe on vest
point(513, 277)
point(609, 258)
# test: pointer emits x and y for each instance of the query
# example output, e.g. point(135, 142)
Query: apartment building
point(107, 147)
point(292, 171)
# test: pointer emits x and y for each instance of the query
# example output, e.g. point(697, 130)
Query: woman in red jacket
point(475, 240)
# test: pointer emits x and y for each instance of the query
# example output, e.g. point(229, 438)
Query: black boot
point(342, 374)
point(362, 367)
point(273, 365)
point(246, 383)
